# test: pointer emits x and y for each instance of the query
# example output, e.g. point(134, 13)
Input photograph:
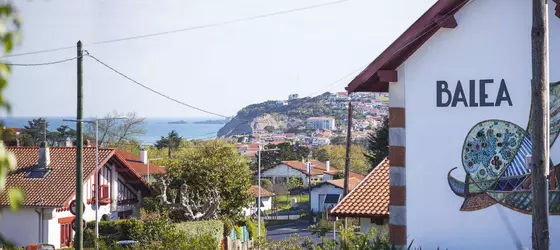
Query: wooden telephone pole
point(79, 236)
point(539, 128)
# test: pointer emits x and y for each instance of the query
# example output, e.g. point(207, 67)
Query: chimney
point(44, 156)
point(144, 155)
point(328, 166)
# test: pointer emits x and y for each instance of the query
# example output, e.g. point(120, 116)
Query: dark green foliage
point(338, 175)
point(339, 140)
point(295, 182)
point(378, 144)
point(156, 234)
point(171, 142)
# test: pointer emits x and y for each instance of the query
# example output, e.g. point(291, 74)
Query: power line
point(181, 30)
point(155, 91)
point(40, 64)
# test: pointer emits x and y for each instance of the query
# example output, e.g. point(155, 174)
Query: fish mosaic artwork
point(493, 158)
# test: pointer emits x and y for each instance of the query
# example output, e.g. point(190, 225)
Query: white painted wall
point(366, 225)
point(492, 41)
point(284, 171)
point(318, 191)
point(327, 177)
point(21, 228)
point(267, 202)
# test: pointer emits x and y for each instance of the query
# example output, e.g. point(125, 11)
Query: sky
point(221, 68)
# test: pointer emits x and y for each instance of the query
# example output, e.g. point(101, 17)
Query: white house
point(47, 177)
point(266, 200)
point(325, 123)
point(368, 201)
point(297, 169)
point(459, 84)
point(327, 194)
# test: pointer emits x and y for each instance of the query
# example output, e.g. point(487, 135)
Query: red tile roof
point(352, 183)
point(254, 190)
point(370, 198)
point(317, 167)
point(136, 163)
point(351, 174)
point(59, 185)
point(410, 41)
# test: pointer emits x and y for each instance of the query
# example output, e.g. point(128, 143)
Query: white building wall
point(322, 190)
point(267, 202)
point(492, 41)
point(284, 171)
point(20, 228)
point(366, 225)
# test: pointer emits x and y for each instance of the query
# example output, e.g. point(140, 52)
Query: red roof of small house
point(254, 190)
point(59, 185)
point(370, 198)
point(374, 77)
point(317, 167)
point(352, 183)
point(136, 163)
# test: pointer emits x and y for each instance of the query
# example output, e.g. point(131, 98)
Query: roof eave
point(369, 80)
point(361, 215)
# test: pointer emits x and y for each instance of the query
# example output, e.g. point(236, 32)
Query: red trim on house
point(557, 7)
point(65, 220)
point(412, 39)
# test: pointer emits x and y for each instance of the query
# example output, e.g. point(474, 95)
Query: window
point(65, 231)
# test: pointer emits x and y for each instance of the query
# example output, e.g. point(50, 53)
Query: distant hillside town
point(309, 121)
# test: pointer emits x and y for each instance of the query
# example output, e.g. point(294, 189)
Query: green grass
point(283, 201)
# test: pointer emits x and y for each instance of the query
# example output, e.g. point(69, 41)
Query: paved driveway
point(279, 232)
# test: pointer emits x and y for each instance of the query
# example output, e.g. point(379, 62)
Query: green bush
point(253, 229)
point(199, 228)
point(228, 226)
point(112, 231)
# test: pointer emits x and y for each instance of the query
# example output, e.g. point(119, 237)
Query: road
point(279, 232)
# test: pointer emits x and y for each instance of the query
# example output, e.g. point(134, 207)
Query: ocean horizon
point(155, 127)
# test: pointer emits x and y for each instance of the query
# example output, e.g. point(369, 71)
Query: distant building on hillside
point(293, 97)
point(326, 123)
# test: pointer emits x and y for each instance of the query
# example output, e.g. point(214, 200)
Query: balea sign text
point(477, 95)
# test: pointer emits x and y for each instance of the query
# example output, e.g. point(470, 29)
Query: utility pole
point(78, 237)
point(347, 160)
point(348, 144)
point(539, 128)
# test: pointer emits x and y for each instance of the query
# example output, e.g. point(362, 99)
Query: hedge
point(197, 228)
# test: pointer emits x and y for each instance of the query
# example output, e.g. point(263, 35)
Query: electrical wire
point(40, 64)
point(157, 92)
point(181, 30)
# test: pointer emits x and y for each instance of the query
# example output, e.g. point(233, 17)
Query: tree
point(378, 144)
point(295, 182)
point(171, 142)
point(35, 131)
point(265, 183)
point(339, 140)
point(11, 24)
point(285, 152)
point(336, 154)
point(213, 164)
point(116, 129)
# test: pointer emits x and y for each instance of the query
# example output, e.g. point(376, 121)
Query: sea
point(155, 127)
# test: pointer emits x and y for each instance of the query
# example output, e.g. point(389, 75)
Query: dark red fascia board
point(557, 7)
point(440, 15)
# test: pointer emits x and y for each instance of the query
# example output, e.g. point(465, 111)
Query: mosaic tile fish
point(493, 157)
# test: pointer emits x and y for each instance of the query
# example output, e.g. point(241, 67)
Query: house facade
point(327, 194)
point(325, 123)
point(47, 177)
point(297, 169)
point(266, 201)
point(459, 84)
point(368, 201)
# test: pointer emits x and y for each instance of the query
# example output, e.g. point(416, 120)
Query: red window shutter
point(105, 192)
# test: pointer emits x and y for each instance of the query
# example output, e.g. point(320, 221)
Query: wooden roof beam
point(446, 21)
point(123, 170)
point(388, 75)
